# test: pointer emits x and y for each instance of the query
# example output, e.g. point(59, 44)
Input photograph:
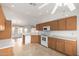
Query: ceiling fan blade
point(71, 6)
point(43, 5)
point(53, 11)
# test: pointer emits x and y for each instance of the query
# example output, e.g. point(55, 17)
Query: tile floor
point(34, 50)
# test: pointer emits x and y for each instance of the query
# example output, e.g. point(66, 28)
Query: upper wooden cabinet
point(54, 25)
point(2, 20)
point(41, 25)
point(6, 34)
point(62, 24)
point(71, 23)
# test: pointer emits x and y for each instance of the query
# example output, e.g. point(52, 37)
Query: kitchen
point(39, 27)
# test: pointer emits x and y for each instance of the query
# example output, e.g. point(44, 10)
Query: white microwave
point(46, 28)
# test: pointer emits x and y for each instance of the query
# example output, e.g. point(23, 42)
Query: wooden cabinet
point(71, 47)
point(6, 34)
point(2, 20)
point(71, 23)
point(62, 24)
point(52, 43)
point(6, 52)
point(68, 47)
point(60, 45)
point(39, 27)
point(54, 25)
point(35, 38)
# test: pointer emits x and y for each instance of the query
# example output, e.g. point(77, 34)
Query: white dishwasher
point(44, 40)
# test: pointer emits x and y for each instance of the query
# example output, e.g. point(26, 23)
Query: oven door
point(44, 41)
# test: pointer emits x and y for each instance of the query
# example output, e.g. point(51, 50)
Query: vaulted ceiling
point(30, 14)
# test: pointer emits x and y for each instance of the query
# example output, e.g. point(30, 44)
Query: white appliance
point(44, 40)
point(46, 28)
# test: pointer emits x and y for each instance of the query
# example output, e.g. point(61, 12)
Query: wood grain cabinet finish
point(54, 25)
point(6, 52)
point(68, 47)
point(39, 27)
point(71, 48)
point(71, 23)
point(52, 43)
point(2, 18)
point(62, 24)
point(6, 34)
point(35, 38)
point(60, 45)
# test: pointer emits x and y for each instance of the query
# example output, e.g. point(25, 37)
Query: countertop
point(6, 43)
point(65, 38)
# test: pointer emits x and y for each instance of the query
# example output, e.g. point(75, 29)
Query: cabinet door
point(39, 27)
point(49, 42)
point(70, 48)
point(71, 23)
point(62, 24)
point(35, 38)
point(60, 45)
point(52, 43)
point(54, 25)
point(2, 18)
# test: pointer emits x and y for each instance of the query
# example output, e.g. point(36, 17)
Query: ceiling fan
point(71, 6)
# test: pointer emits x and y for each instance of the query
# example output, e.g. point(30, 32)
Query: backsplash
point(66, 34)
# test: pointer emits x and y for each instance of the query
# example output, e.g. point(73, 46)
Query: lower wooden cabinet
point(60, 45)
point(52, 43)
point(35, 38)
point(71, 48)
point(6, 52)
point(68, 47)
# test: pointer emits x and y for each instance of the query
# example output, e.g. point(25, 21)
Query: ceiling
point(24, 14)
